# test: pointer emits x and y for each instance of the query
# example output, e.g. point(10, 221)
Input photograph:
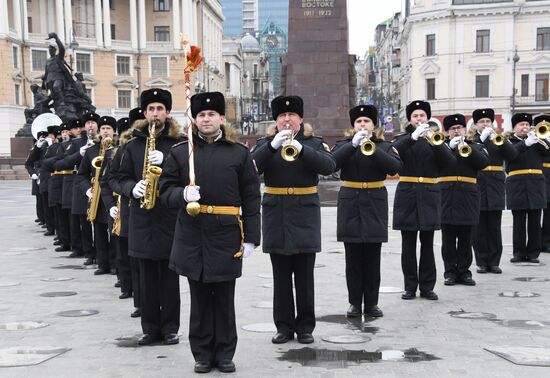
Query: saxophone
point(116, 221)
point(151, 173)
point(93, 202)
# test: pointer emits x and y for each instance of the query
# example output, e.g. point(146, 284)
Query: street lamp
point(515, 59)
point(72, 47)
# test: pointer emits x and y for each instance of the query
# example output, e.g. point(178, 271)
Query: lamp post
point(72, 47)
point(515, 59)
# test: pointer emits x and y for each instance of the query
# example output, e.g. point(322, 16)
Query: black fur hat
point(368, 111)
point(483, 113)
point(89, 116)
point(286, 104)
point(122, 125)
point(156, 95)
point(418, 104)
point(207, 101)
point(452, 120)
point(134, 115)
point(107, 120)
point(521, 117)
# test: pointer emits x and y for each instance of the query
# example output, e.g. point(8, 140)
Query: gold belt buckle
point(364, 185)
point(530, 170)
point(421, 179)
point(290, 190)
point(210, 209)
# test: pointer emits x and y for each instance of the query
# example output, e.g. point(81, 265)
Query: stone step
point(22, 177)
point(6, 171)
point(8, 177)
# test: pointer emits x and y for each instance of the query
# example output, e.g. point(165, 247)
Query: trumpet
point(434, 136)
point(367, 146)
point(288, 151)
point(542, 131)
point(463, 149)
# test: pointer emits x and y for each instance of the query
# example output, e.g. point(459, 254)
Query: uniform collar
point(210, 139)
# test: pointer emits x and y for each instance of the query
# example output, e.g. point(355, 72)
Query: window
point(124, 98)
point(524, 85)
point(38, 60)
point(255, 71)
point(15, 51)
point(113, 31)
point(482, 40)
point(112, 4)
point(83, 63)
point(543, 38)
point(123, 65)
point(29, 24)
point(159, 66)
point(482, 86)
point(430, 89)
point(541, 87)
point(430, 44)
point(17, 94)
point(161, 6)
point(162, 33)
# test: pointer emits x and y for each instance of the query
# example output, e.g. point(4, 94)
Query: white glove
point(279, 138)
point(34, 176)
point(531, 139)
point(139, 189)
point(113, 211)
point(40, 142)
point(89, 193)
point(247, 249)
point(191, 193)
point(455, 142)
point(297, 144)
point(420, 130)
point(49, 141)
point(486, 133)
point(84, 148)
point(155, 157)
point(358, 137)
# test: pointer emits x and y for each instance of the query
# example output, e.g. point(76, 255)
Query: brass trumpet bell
point(464, 150)
point(499, 139)
point(97, 161)
point(289, 152)
point(542, 130)
point(367, 147)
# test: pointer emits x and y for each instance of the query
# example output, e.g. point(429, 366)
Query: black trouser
point(48, 213)
point(546, 228)
point(86, 236)
point(487, 238)
point(123, 263)
point(363, 273)
point(212, 329)
point(160, 297)
point(136, 279)
point(76, 234)
point(101, 244)
point(63, 223)
point(526, 246)
point(456, 250)
point(39, 208)
point(424, 275)
point(301, 265)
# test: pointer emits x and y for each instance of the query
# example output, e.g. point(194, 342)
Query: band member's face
point(456, 130)
point(156, 111)
point(52, 137)
point(483, 123)
point(363, 123)
point(106, 131)
point(289, 121)
point(418, 117)
point(91, 126)
point(209, 122)
point(65, 135)
point(521, 129)
point(75, 131)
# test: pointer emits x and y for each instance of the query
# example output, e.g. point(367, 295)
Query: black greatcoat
point(114, 184)
point(204, 245)
point(107, 197)
point(291, 224)
point(526, 192)
point(55, 183)
point(150, 232)
point(491, 183)
point(33, 167)
point(363, 213)
point(417, 207)
point(83, 180)
point(72, 197)
point(460, 201)
point(546, 170)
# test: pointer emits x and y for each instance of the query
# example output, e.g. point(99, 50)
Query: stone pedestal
point(20, 146)
point(318, 66)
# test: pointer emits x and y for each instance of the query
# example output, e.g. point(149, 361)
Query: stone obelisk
point(318, 66)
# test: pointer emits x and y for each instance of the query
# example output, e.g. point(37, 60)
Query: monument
point(318, 66)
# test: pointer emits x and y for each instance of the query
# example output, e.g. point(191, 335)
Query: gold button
point(365, 185)
point(421, 179)
point(290, 191)
point(458, 178)
point(210, 209)
point(530, 170)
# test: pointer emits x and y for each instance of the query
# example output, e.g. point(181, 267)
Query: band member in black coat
point(363, 205)
point(546, 212)
point(151, 231)
point(229, 222)
point(32, 165)
point(526, 188)
point(459, 201)
point(417, 204)
point(291, 216)
point(487, 240)
point(86, 173)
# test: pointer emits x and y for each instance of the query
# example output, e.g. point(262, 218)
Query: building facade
point(241, 17)
point(121, 47)
point(275, 11)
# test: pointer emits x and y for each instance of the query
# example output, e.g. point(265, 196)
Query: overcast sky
point(363, 16)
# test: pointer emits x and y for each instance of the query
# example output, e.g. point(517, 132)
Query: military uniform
point(32, 168)
point(362, 216)
point(546, 212)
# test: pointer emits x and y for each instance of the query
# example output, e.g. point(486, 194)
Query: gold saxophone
point(116, 221)
point(93, 202)
point(151, 173)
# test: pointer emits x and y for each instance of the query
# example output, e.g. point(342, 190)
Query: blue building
point(233, 12)
point(275, 11)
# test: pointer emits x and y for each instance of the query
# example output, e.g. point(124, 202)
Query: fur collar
point(171, 128)
point(306, 128)
point(228, 133)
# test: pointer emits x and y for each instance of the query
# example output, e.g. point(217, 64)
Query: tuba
point(151, 173)
point(93, 202)
point(288, 151)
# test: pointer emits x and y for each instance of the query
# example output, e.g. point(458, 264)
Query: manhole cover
point(9, 283)
point(390, 290)
point(69, 267)
point(58, 294)
point(347, 339)
point(25, 249)
point(265, 275)
point(77, 313)
point(26, 356)
point(21, 326)
point(264, 305)
point(56, 279)
point(531, 279)
point(320, 265)
point(472, 315)
point(260, 327)
point(518, 294)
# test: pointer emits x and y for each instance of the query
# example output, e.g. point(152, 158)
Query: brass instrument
point(151, 173)
point(288, 151)
point(116, 222)
point(498, 139)
point(367, 146)
point(93, 202)
point(434, 136)
point(463, 149)
point(542, 131)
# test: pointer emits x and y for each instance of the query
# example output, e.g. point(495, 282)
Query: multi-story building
point(255, 89)
point(274, 42)
point(275, 11)
point(242, 17)
point(121, 47)
point(465, 54)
